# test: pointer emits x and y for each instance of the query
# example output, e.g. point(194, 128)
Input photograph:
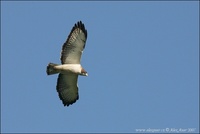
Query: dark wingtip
point(80, 25)
point(67, 104)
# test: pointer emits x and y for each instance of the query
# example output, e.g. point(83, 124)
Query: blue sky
point(142, 59)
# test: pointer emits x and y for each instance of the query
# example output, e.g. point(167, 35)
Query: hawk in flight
point(70, 68)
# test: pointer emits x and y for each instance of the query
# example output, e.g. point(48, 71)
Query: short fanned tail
point(51, 70)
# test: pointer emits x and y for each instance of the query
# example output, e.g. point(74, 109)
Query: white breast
point(66, 68)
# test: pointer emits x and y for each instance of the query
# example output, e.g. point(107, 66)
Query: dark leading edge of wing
point(73, 47)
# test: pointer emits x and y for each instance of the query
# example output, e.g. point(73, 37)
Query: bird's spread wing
point(67, 88)
point(73, 47)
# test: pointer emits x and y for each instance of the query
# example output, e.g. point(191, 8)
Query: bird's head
point(83, 72)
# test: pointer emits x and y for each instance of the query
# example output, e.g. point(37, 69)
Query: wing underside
point(72, 49)
point(67, 88)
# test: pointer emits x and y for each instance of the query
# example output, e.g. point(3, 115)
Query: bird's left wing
point(67, 88)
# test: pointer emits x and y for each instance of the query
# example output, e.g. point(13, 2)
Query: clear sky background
point(142, 59)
